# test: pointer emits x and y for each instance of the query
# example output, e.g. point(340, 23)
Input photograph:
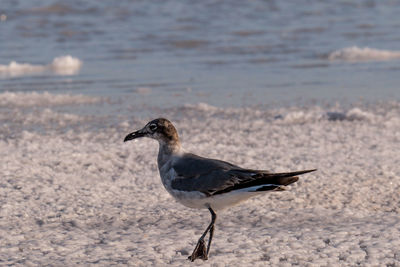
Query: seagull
point(204, 183)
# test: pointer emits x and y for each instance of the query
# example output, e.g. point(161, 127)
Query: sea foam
point(355, 53)
point(63, 65)
point(66, 65)
point(34, 99)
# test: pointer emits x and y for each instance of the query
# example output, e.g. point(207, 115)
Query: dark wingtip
point(290, 174)
point(286, 178)
point(306, 171)
point(289, 178)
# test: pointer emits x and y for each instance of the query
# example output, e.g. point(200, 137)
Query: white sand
point(72, 193)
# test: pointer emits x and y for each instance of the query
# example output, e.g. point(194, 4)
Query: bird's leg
point(200, 251)
point(213, 218)
point(210, 238)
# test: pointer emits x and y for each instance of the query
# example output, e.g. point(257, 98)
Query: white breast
point(191, 199)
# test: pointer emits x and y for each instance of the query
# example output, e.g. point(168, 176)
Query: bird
point(204, 183)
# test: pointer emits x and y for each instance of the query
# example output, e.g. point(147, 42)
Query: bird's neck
point(167, 150)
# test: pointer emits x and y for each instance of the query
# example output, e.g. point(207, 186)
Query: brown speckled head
point(163, 129)
point(160, 129)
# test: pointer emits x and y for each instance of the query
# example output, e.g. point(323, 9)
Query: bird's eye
point(153, 127)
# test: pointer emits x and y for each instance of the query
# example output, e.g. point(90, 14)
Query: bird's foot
point(199, 252)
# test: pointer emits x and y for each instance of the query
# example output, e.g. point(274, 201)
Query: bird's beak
point(134, 135)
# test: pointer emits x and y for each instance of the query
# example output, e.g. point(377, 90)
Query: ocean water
point(275, 85)
point(222, 53)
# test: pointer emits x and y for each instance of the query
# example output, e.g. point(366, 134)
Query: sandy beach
point(72, 193)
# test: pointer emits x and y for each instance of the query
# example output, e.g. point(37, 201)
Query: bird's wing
point(191, 165)
point(214, 177)
point(195, 173)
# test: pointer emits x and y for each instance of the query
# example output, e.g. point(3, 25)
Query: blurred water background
point(224, 53)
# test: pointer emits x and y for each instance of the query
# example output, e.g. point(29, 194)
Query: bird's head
point(160, 129)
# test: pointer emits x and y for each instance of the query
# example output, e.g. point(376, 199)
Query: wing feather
point(212, 177)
